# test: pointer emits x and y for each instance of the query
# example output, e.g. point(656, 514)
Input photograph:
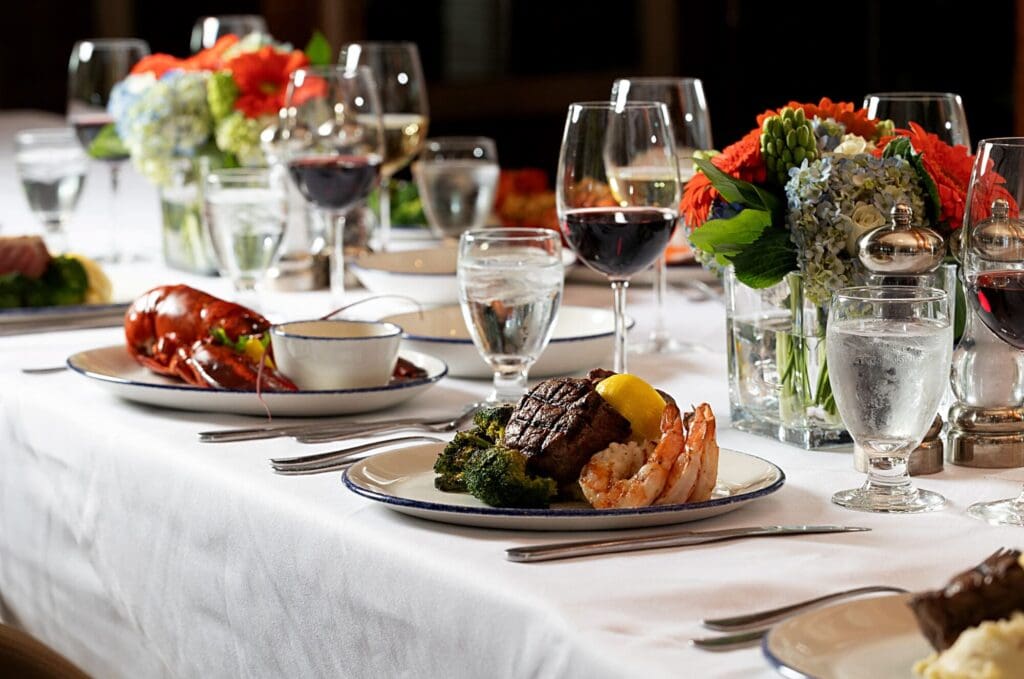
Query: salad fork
point(339, 459)
point(326, 435)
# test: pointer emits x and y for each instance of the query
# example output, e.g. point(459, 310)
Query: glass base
point(807, 437)
point(899, 500)
point(663, 346)
point(1009, 512)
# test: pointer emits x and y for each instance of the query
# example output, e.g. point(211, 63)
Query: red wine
point(999, 298)
point(619, 241)
point(88, 127)
point(335, 182)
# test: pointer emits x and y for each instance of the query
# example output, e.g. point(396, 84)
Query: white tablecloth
point(137, 551)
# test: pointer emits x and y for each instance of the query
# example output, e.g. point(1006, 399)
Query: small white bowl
point(425, 275)
point(583, 338)
point(320, 355)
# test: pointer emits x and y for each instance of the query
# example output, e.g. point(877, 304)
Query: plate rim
point(19, 314)
point(562, 513)
point(121, 381)
point(787, 670)
point(468, 341)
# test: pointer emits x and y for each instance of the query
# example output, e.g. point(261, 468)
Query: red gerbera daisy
point(262, 78)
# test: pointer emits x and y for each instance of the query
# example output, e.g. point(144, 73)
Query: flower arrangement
point(214, 103)
point(796, 192)
point(787, 204)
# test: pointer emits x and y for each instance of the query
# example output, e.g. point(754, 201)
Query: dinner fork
point(326, 435)
point(339, 459)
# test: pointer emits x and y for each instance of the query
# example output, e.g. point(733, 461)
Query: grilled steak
point(992, 590)
point(26, 255)
point(560, 424)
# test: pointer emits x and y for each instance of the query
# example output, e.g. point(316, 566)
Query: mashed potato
point(992, 650)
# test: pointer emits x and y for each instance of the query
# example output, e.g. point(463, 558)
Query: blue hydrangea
point(835, 199)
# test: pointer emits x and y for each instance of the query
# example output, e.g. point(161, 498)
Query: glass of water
point(458, 182)
point(889, 351)
point(510, 288)
point(246, 209)
point(51, 166)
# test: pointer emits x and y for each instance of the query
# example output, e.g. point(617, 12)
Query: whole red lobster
point(171, 330)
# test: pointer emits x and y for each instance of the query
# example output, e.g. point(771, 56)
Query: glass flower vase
point(778, 372)
point(185, 238)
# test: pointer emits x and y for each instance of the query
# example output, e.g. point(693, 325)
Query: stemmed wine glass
point(688, 111)
point(458, 182)
point(941, 113)
point(207, 30)
point(405, 113)
point(993, 266)
point(618, 192)
point(889, 349)
point(95, 66)
point(51, 167)
point(510, 289)
point(338, 146)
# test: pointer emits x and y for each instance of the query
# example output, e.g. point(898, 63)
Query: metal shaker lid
point(901, 247)
point(1000, 238)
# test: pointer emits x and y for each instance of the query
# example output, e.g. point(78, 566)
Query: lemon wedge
point(637, 401)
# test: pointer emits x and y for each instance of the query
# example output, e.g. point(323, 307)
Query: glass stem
point(659, 336)
point(384, 231)
point(335, 222)
point(509, 385)
point(619, 292)
point(117, 252)
point(56, 236)
point(888, 473)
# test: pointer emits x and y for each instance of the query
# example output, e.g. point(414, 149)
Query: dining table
point(136, 550)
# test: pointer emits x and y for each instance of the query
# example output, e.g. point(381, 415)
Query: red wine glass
point(335, 124)
point(618, 193)
point(992, 250)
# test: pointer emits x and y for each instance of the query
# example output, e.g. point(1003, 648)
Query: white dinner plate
point(404, 481)
point(861, 639)
point(583, 338)
point(114, 369)
point(70, 312)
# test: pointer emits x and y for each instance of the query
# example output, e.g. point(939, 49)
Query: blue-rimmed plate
point(404, 481)
point(115, 370)
point(862, 639)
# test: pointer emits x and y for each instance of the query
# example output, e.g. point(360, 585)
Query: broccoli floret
point(65, 281)
point(498, 476)
point(492, 420)
point(450, 462)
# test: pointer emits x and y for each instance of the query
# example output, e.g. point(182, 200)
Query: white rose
point(864, 218)
point(851, 145)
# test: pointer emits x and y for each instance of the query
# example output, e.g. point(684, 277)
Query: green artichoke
point(787, 139)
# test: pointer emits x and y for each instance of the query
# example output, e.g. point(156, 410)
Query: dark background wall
point(508, 68)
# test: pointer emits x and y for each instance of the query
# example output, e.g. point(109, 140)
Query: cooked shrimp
point(701, 437)
point(611, 480)
point(682, 478)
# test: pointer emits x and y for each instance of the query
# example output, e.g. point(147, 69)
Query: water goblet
point(510, 290)
point(207, 30)
point(617, 193)
point(51, 166)
point(246, 211)
point(458, 182)
point(95, 66)
point(889, 350)
point(691, 122)
point(404, 111)
point(941, 113)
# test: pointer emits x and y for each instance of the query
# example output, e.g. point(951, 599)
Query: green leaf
point(902, 148)
point(729, 237)
point(107, 144)
point(318, 50)
point(766, 261)
point(736, 190)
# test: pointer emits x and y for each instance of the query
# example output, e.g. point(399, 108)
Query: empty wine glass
point(617, 193)
point(95, 66)
point(510, 289)
point(458, 182)
point(993, 267)
point(207, 30)
point(246, 211)
point(337, 146)
point(404, 110)
point(889, 349)
point(941, 113)
point(51, 166)
point(688, 111)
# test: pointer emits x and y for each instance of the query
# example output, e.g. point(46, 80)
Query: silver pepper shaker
point(902, 253)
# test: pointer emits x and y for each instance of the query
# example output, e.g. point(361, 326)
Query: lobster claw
point(221, 367)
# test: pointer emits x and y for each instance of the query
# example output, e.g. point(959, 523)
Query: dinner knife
point(568, 550)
